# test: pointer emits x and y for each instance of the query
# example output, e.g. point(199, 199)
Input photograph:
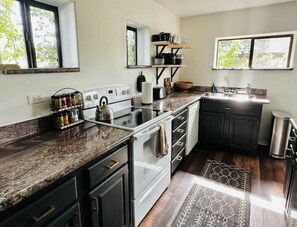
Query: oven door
point(146, 166)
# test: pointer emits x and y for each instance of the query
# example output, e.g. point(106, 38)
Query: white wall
point(101, 27)
point(202, 31)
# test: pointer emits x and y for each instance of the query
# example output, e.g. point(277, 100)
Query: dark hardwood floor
point(267, 202)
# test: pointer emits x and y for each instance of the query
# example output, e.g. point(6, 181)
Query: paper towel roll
point(147, 93)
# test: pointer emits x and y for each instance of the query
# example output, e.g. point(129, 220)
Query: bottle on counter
point(68, 100)
point(213, 88)
point(64, 101)
point(60, 120)
point(78, 98)
point(65, 119)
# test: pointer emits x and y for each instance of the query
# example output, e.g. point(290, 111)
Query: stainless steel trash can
point(280, 133)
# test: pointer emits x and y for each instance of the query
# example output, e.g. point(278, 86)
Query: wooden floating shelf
point(170, 45)
point(168, 66)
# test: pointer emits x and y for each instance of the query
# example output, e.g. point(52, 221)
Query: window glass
point(271, 52)
point(44, 37)
point(131, 46)
point(233, 53)
point(255, 52)
point(12, 42)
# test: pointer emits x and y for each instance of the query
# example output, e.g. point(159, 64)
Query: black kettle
point(104, 112)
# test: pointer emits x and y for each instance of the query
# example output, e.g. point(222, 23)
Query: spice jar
point(58, 102)
point(73, 99)
point(64, 101)
point(68, 100)
point(77, 96)
point(65, 119)
point(60, 120)
point(73, 116)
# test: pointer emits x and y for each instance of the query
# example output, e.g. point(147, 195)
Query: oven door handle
point(150, 132)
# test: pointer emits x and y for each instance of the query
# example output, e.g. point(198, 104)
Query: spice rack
point(67, 108)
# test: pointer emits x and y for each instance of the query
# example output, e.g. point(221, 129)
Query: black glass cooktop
point(134, 116)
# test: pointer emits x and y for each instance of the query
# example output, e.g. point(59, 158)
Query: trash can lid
point(281, 114)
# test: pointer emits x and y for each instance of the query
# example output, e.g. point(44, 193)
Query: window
point(29, 34)
point(131, 46)
point(255, 52)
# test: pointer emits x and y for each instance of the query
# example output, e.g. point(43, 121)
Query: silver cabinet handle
point(180, 130)
point(180, 144)
point(180, 118)
point(178, 158)
point(227, 108)
point(292, 139)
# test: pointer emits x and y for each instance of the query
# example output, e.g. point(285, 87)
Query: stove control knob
point(95, 96)
point(89, 98)
point(123, 92)
point(128, 92)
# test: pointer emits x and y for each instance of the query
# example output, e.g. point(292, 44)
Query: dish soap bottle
point(213, 88)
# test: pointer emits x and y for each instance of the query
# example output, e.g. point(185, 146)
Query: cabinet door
point(110, 201)
point(211, 127)
point(70, 218)
point(243, 133)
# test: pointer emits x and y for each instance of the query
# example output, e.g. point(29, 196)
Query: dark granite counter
point(179, 100)
point(28, 165)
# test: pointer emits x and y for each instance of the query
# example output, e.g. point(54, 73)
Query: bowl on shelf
point(183, 85)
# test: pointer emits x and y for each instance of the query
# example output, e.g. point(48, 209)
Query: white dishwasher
point(193, 127)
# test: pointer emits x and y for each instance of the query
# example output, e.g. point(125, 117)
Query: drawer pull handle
point(292, 139)
point(114, 164)
point(96, 209)
point(46, 213)
point(180, 130)
point(179, 158)
point(227, 108)
point(180, 144)
point(181, 118)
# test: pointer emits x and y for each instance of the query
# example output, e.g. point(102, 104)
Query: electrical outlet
point(35, 98)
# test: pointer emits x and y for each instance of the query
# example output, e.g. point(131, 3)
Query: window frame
point(129, 28)
point(28, 33)
point(290, 35)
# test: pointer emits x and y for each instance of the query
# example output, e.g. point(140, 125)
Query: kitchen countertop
point(179, 100)
point(28, 165)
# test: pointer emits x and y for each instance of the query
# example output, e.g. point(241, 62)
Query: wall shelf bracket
point(159, 74)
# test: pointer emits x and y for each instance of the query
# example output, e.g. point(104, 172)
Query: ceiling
point(186, 8)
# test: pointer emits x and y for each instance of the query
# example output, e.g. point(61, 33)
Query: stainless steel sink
point(234, 96)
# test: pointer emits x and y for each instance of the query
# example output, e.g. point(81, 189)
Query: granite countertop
point(31, 164)
point(179, 100)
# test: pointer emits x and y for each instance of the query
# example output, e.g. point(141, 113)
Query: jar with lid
point(73, 99)
point(58, 102)
point(65, 119)
point(60, 120)
point(64, 101)
point(68, 100)
point(77, 97)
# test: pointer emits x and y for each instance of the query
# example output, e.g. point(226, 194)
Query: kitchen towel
point(163, 146)
point(147, 93)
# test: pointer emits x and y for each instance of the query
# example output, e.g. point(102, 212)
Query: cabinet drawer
point(179, 119)
point(212, 106)
point(107, 166)
point(177, 160)
point(45, 208)
point(71, 217)
point(178, 146)
point(179, 132)
point(244, 109)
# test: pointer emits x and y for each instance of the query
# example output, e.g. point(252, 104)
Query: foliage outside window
point(258, 52)
point(29, 34)
point(131, 46)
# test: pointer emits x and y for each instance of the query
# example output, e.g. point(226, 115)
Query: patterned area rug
point(220, 199)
